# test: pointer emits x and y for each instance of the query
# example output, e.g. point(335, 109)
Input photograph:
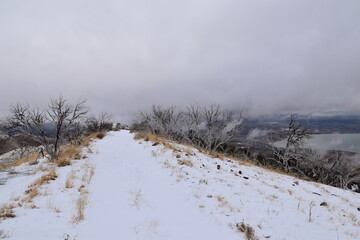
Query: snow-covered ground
point(171, 191)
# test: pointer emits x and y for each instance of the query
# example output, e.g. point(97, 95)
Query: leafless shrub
point(99, 123)
point(204, 127)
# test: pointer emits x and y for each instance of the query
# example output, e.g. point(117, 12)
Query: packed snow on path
point(142, 190)
point(132, 197)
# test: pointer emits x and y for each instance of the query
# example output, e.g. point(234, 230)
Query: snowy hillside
point(134, 189)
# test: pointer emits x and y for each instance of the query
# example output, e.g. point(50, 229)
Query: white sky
point(267, 56)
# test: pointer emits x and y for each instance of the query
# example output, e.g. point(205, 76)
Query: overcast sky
point(267, 56)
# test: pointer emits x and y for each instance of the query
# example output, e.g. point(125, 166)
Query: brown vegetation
point(80, 206)
point(6, 211)
point(247, 230)
point(185, 162)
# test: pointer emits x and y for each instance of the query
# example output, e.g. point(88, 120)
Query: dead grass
point(100, 135)
point(80, 206)
point(136, 198)
point(247, 230)
point(29, 159)
point(33, 190)
point(68, 153)
point(31, 193)
point(6, 211)
point(69, 183)
point(88, 173)
point(149, 137)
point(44, 179)
point(50, 205)
point(185, 162)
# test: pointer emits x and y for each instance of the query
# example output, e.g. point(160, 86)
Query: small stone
point(358, 209)
point(296, 182)
point(178, 156)
point(218, 167)
point(155, 144)
point(246, 178)
point(323, 204)
point(209, 196)
point(240, 172)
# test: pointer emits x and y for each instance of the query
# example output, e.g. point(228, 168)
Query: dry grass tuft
point(70, 179)
point(149, 137)
point(247, 230)
point(6, 211)
point(69, 152)
point(63, 161)
point(31, 193)
point(33, 190)
point(44, 179)
point(185, 162)
point(80, 206)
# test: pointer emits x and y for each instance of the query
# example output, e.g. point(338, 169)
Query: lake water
point(334, 141)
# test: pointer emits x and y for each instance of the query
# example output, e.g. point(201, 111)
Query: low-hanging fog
point(265, 56)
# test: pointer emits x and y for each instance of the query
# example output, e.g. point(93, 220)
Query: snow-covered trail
point(133, 198)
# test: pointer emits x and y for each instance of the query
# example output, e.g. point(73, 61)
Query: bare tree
point(293, 152)
point(59, 114)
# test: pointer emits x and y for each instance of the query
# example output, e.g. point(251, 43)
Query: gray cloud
point(268, 56)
